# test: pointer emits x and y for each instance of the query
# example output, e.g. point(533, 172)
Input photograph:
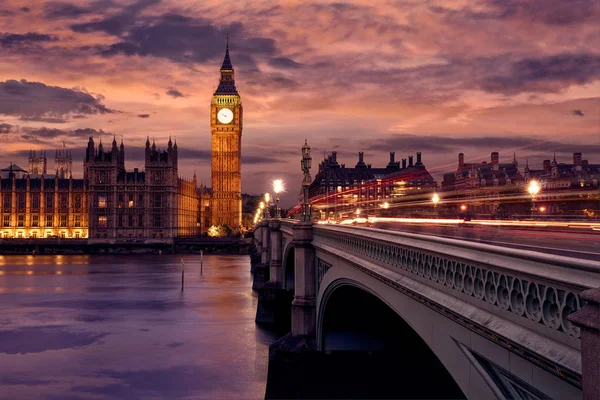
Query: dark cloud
point(445, 144)
point(5, 128)
point(55, 10)
point(578, 113)
point(283, 62)
point(545, 74)
point(17, 39)
point(48, 120)
point(44, 133)
point(174, 93)
point(180, 38)
point(251, 159)
point(36, 101)
point(143, 115)
point(25, 9)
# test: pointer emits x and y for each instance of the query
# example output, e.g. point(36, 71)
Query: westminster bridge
point(496, 322)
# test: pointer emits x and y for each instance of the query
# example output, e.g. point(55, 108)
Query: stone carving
point(322, 268)
point(525, 297)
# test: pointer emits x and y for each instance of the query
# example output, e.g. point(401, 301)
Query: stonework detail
point(529, 297)
point(226, 130)
point(322, 268)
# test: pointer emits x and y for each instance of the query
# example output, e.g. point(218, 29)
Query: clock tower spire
point(226, 131)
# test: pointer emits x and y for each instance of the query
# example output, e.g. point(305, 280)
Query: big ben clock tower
point(226, 130)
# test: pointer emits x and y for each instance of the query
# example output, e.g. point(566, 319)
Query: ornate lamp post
point(305, 164)
point(533, 188)
point(277, 188)
point(266, 212)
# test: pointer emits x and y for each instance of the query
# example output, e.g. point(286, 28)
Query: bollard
point(182, 270)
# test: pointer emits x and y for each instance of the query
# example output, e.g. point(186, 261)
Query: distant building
point(494, 189)
point(154, 205)
point(483, 185)
point(337, 190)
point(36, 204)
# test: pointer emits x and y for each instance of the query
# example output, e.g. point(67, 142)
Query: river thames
point(119, 326)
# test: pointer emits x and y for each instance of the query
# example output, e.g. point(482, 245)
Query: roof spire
point(227, 61)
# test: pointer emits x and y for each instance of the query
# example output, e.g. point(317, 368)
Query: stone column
point(258, 237)
point(588, 320)
point(303, 306)
point(266, 239)
point(275, 272)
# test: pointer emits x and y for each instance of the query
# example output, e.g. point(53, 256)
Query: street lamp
point(277, 188)
point(266, 212)
point(305, 165)
point(435, 200)
point(533, 188)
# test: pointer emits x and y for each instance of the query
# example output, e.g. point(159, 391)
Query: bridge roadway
point(499, 321)
point(574, 242)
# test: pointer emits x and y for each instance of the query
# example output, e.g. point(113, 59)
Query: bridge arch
point(390, 354)
point(288, 268)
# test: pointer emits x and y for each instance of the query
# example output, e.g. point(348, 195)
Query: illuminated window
point(78, 201)
point(21, 220)
point(77, 221)
point(48, 220)
point(6, 221)
point(102, 201)
point(130, 203)
point(63, 220)
point(102, 221)
point(35, 220)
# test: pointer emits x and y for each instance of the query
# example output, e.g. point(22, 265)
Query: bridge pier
point(273, 300)
point(261, 271)
point(304, 319)
point(588, 320)
point(256, 251)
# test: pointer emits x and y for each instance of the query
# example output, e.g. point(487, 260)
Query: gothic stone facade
point(151, 206)
point(36, 205)
point(226, 131)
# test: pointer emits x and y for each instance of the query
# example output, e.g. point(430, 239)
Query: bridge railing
point(542, 288)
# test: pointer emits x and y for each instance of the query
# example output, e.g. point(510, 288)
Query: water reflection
point(120, 327)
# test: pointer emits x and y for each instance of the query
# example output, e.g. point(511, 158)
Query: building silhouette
point(226, 130)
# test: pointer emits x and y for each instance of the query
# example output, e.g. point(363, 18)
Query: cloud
point(143, 115)
point(59, 10)
point(35, 101)
point(174, 93)
point(49, 120)
point(8, 40)
point(545, 73)
point(578, 113)
point(45, 134)
point(284, 62)
point(5, 128)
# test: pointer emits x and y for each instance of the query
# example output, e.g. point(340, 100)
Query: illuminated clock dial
point(225, 115)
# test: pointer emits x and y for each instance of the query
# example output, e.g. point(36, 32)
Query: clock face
point(225, 115)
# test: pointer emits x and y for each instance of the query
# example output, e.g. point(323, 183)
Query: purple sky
point(438, 77)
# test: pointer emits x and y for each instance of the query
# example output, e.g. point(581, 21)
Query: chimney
point(410, 161)
point(547, 166)
point(404, 163)
point(419, 158)
point(461, 160)
point(343, 165)
point(361, 162)
point(334, 156)
point(368, 165)
point(392, 163)
point(577, 159)
point(495, 158)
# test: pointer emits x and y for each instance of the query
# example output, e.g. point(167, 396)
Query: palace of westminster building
point(111, 205)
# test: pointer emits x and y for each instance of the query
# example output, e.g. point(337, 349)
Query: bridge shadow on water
point(370, 352)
